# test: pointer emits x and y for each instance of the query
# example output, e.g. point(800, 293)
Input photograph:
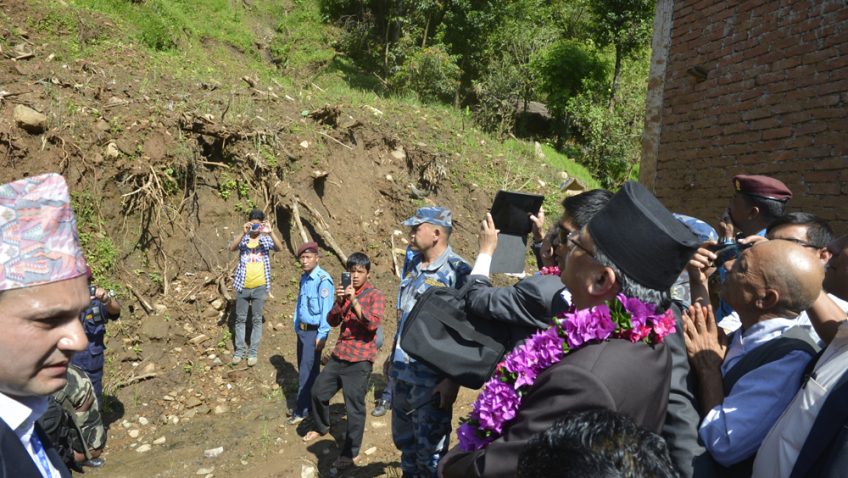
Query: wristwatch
point(110, 295)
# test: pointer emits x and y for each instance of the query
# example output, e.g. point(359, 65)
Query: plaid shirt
point(266, 245)
point(357, 340)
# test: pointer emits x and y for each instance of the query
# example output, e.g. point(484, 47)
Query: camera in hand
point(254, 227)
point(726, 252)
point(345, 279)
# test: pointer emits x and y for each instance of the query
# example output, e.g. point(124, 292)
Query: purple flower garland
point(497, 405)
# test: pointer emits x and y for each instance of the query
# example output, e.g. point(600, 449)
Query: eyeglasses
point(563, 233)
point(797, 241)
point(571, 238)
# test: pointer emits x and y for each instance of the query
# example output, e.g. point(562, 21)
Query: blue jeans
point(255, 297)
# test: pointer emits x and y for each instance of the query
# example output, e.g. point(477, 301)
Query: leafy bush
point(431, 73)
point(564, 69)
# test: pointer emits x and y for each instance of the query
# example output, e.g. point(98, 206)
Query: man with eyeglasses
point(531, 303)
point(811, 437)
point(625, 377)
point(813, 234)
point(746, 380)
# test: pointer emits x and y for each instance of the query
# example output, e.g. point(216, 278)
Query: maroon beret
point(762, 186)
point(307, 247)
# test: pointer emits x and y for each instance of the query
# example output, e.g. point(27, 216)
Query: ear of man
point(603, 283)
point(769, 300)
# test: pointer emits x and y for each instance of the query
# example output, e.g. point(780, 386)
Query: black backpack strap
point(795, 338)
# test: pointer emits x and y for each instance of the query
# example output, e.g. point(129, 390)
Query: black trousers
point(352, 379)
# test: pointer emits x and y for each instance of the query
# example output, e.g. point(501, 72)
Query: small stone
point(168, 398)
point(143, 421)
point(537, 149)
point(217, 361)
point(304, 144)
point(149, 368)
point(378, 424)
point(29, 119)
point(389, 177)
point(193, 402)
point(399, 153)
point(218, 304)
point(160, 308)
point(133, 433)
point(143, 448)
point(202, 410)
point(112, 151)
point(307, 471)
point(213, 452)
point(126, 424)
point(221, 409)
point(159, 441)
point(189, 414)
point(175, 419)
point(371, 450)
point(199, 339)
point(205, 471)
point(102, 125)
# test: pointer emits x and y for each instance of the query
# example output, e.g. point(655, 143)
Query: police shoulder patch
point(325, 292)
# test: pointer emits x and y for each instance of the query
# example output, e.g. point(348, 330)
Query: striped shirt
point(260, 253)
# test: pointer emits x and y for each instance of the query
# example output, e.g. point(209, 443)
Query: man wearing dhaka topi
point(43, 291)
point(607, 352)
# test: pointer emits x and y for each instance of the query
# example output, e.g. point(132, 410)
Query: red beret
point(762, 186)
point(307, 247)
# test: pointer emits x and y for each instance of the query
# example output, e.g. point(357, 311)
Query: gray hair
point(631, 288)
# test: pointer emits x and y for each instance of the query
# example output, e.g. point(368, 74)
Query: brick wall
point(774, 101)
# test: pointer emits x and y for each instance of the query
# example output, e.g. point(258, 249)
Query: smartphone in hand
point(345, 279)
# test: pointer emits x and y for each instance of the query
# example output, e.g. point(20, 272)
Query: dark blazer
point(15, 462)
point(681, 424)
point(617, 375)
point(527, 306)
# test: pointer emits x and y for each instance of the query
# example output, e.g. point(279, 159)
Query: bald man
point(745, 386)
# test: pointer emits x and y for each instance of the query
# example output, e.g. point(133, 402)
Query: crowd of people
point(647, 344)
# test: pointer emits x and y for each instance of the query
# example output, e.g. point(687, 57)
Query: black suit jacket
point(527, 306)
point(632, 379)
point(15, 462)
point(681, 424)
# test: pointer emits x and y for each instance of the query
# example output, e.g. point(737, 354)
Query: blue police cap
point(704, 231)
point(438, 216)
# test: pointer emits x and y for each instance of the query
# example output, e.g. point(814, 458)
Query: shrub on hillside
point(431, 73)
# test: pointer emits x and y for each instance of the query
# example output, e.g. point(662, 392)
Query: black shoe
point(381, 409)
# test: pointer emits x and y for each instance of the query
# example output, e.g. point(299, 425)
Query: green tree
point(624, 24)
point(564, 70)
point(611, 139)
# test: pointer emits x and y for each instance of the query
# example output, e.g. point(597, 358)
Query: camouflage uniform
point(422, 437)
point(90, 433)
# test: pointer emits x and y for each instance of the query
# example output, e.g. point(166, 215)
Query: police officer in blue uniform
point(314, 301)
point(104, 307)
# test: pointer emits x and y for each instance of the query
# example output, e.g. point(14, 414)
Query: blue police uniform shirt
point(314, 301)
point(448, 270)
point(94, 320)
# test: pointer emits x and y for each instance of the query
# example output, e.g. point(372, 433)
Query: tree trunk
point(615, 78)
point(426, 31)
